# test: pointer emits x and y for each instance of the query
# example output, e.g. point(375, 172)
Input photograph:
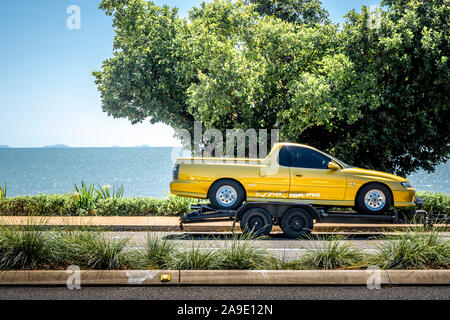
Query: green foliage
point(27, 248)
point(157, 252)
point(106, 193)
point(413, 250)
point(86, 196)
point(296, 11)
point(68, 205)
point(241, 253)
point(374, 97)
point(436, 202)
point(94, 250)
point(3, 192)
point(331, 254)
point(194, 258)
point(30, 247)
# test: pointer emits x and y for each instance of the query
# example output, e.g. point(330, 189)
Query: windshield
point(338, 161)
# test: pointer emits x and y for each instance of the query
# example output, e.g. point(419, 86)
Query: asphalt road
point(227, 293)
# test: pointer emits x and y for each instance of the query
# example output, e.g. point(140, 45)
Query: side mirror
point(333, 166)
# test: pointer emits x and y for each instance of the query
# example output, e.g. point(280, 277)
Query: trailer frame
point(276, 210)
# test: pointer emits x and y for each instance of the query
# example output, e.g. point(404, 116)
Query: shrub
point(105, 192)
point(241, 253)
point(27, 248)
point(156, 253)
point(195, 258)
point(86, 196)
point(333, 254)
point(69, 205)
point(436, 202)
point(413, 250)
point(3, 192)
point(93, 250)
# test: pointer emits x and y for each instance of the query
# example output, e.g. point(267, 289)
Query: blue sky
point(47, 92)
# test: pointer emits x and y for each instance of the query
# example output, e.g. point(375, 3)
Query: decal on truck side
point(304, 195)
point(271, 195)
point(283, 195)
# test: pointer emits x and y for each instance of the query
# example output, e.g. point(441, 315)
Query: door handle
point(299, 175)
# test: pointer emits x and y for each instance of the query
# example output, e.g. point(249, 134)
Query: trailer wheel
point(257, 221)
point(296, 222)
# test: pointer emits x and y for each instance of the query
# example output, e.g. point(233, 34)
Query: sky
point(47, 91)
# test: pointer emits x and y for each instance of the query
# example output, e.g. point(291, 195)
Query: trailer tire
point(256, 221)
point(296, 223)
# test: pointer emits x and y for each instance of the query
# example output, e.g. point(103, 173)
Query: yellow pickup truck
point(291, 173)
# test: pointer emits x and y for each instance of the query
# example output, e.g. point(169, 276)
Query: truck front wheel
point(373, 198)
point(296, 222)
point(226, 194)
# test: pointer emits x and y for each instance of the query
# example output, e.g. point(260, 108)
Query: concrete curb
point(90, 277)
point(227, 277)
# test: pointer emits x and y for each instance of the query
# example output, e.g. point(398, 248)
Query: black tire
point(296, 223)
point(373, 198)
point(223, 189)
point(257, 221)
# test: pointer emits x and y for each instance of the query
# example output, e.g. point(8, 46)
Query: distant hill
point(56, 146)
point(143, 146)
point(3, 146)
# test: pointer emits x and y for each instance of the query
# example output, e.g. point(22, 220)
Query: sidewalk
point(173, 224)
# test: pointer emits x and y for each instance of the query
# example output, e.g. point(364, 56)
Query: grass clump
point(413, 250)
point(28, 248)
point(195, 258)
point(241, 253)
point(157, 252)
point(332, 254)
point(93, 250)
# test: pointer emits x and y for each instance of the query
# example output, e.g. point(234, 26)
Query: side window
point(307, 158)
point(283, 157)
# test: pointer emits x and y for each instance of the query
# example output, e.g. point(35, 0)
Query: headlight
point(407, 184)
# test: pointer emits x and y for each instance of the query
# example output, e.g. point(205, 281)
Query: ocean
point(144, 172)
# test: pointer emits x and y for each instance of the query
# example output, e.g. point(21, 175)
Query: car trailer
point(297, 219)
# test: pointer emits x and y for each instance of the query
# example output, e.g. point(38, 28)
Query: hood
point(370, 174)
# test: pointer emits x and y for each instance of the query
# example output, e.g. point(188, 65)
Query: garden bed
point(31, 248)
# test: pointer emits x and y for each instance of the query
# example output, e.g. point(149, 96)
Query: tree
point(143, 79)
point(400, 74)
point(376, 98)
point(295, 11)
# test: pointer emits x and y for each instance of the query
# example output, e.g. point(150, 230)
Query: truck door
point(274, 179)
point(311, 178)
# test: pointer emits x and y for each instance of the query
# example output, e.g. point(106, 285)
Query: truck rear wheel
point(257, 221)
point(226, 194)
point(296, 222)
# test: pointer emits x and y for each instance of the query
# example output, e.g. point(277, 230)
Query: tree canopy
point(375, 97)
